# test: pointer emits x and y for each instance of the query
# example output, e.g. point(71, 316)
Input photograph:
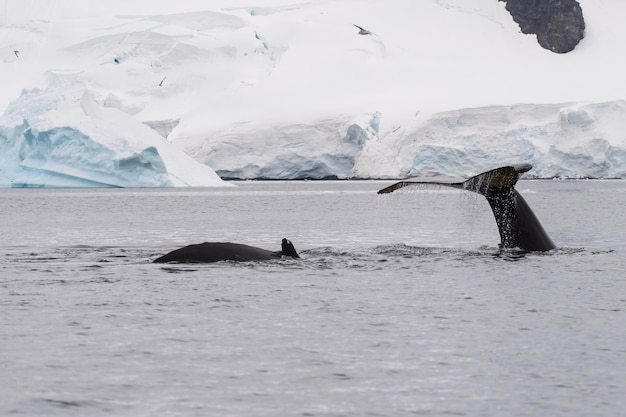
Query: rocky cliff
point(558, 24)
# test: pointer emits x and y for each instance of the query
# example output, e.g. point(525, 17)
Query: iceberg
point(61, 137)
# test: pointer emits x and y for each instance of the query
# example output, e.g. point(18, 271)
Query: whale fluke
point(225, 251)
point(517, 224)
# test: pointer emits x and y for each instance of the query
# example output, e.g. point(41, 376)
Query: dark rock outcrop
point(558, 24)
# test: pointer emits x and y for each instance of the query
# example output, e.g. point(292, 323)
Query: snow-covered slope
point(282, 89)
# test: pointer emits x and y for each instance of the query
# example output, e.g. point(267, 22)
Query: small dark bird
point(17, 53)
point(363, 31)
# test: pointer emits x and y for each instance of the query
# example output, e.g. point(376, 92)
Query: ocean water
point(401, 305)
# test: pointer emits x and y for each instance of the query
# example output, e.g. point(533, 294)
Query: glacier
point(322, 149)
point(560, 140)
point(565, 140)
point(271, 89)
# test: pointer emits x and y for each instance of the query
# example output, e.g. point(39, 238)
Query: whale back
point(225, 251)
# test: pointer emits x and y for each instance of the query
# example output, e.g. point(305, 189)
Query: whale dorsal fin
point(288, 249)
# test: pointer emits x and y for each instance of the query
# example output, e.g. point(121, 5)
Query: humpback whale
point(225, 251)
point(517, 224)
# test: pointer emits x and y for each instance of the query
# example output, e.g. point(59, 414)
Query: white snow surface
point(289, 89)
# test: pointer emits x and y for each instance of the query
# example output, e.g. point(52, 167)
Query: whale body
point(517, 224)
point(225, 251)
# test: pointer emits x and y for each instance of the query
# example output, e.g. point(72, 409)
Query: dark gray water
point(400, 305)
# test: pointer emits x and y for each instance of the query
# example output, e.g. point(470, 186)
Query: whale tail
point(517, 224)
